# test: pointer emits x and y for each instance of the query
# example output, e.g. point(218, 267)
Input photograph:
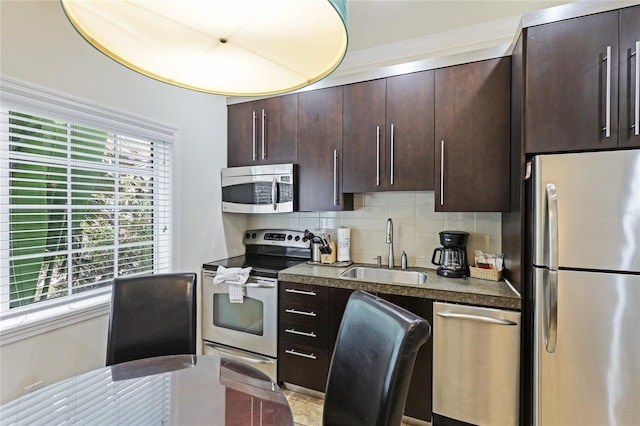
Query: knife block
point(329, 258)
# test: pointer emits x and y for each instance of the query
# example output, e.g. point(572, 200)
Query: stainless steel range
point(248, 331)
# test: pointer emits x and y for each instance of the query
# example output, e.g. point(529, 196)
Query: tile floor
point(307, 410)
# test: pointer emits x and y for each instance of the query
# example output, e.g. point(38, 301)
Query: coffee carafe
point(452, 256)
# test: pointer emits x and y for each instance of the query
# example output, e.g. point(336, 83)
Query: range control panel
point(275, 237)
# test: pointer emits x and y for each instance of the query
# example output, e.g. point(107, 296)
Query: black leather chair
point(152, 315)
point(372, 362)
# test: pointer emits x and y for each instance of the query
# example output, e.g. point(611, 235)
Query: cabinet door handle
point(392, 141)
point(607, 125)
point(300, 333)
point(377, 155)
point(442, 172)
point(255, 117)
point(264, 149)
point(296, 312)
point(302, 354)
point(304, 292)
point(636, 121)
point(335, 177)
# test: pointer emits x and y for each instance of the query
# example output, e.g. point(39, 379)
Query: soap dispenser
point(403, 260)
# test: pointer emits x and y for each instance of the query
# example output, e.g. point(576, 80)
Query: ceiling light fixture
point(231, 47)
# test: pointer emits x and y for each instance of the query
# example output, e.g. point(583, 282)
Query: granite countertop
point(497, 294)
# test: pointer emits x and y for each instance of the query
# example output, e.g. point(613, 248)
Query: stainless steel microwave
point(258, 189)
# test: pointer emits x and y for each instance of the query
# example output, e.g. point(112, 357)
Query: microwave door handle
point(274, 193)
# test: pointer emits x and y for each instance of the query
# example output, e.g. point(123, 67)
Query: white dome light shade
point(233, 47)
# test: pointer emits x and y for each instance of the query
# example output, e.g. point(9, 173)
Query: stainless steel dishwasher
point(476, 365)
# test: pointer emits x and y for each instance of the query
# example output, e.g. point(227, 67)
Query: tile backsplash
point(415, 224)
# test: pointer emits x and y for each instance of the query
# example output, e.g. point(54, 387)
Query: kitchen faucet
point(390, 241)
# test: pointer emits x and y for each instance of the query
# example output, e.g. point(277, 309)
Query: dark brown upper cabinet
point(320, 151)
point(263, 131)
point(629, 93)
point(388, 134)
point(579, 83)
point(472, 137)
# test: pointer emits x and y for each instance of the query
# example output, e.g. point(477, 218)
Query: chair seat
point(372, 362)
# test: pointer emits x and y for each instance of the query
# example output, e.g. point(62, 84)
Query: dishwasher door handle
point(477, 318)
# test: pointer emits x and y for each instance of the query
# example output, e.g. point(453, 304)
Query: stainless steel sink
point(366, 273)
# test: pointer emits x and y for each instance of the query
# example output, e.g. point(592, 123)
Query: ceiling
point(390, 37)
point(376, 22)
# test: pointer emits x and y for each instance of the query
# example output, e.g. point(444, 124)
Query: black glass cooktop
point(263, 266)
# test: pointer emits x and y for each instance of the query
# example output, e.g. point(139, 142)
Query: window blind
point(81, 201)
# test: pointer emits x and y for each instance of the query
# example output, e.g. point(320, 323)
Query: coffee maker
point(452, 260)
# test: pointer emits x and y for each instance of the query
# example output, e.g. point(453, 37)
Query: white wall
point(40, 47)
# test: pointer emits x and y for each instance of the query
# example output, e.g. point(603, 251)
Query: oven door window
point(246, 317)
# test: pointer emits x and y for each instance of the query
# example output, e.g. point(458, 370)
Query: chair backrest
point(372, 362)
point(152, 315)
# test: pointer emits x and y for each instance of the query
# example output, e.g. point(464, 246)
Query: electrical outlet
point(33, 387)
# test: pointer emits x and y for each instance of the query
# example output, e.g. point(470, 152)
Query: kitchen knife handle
point(335, 177)
point(442, 172)
point(377, 155)
point(392, 149)
point(636, 122)
point(264, 151)
point(255, 117)
point(607, 126)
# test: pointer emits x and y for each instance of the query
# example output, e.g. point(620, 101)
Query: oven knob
point(289, 237)
point(253, 235)
point(297, 238)
point(247, 236)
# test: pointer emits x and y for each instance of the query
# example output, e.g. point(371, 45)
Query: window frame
point(48, 315)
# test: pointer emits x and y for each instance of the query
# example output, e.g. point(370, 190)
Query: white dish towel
point(235, 278)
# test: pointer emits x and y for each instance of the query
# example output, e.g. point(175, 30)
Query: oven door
point(258, 189)
point(251, 325)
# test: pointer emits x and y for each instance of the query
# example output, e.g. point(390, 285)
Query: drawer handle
point(498, 321)
point(306, 293)
point(300, 333)
point(294, 311)
point(302, 354)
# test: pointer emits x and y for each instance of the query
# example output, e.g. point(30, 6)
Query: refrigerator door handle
point(550, 288)
point(552, 227)
point(550, 284)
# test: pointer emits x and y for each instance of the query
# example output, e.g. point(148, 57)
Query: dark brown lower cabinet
point(303, 352)
point(304, 360)
point(419, 397)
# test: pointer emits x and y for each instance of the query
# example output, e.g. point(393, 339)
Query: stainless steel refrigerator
point(586, 279)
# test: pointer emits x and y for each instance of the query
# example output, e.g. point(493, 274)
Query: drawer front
point(312, 335)
point(303, 366)
point(304, 294)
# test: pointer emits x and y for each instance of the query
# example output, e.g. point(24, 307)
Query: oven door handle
point(260, 285)
point(252, 283)
point(253, 359)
